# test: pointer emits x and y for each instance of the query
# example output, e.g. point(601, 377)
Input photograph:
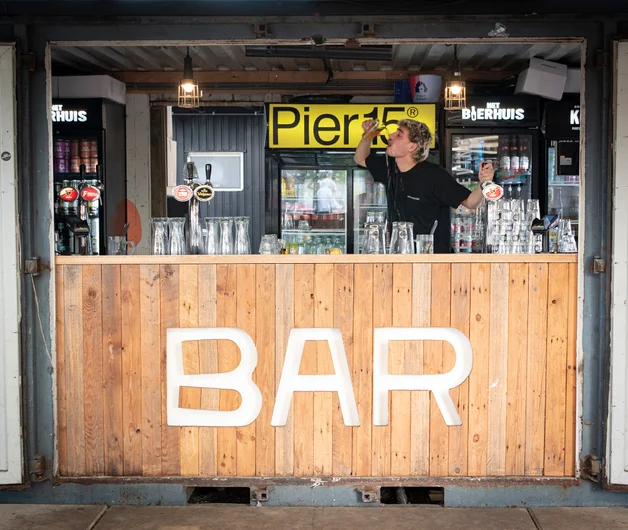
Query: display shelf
point(313, 231)
point(565, 185)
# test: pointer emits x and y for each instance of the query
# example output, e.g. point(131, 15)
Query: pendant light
point(455, 89)
point(189, 93)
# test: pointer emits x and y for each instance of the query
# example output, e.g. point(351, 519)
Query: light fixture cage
point(455, 95)
point(455, 89)
point(189, 99)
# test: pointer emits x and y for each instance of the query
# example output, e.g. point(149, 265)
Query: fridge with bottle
point(562, 144)
point(89, 153)
point(313, 209)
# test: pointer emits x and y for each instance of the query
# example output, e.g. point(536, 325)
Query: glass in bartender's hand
point(376, 129)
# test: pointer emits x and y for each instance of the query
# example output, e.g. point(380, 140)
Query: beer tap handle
point(82, 170)
point(208, 173)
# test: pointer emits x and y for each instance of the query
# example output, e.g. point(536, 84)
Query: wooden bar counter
point(518, 406)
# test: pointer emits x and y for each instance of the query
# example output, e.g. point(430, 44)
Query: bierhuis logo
point(492, 111)
point(70, 116)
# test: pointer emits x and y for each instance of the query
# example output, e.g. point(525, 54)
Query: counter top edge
point(288, 259)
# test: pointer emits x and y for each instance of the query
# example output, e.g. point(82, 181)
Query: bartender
point(417, 191)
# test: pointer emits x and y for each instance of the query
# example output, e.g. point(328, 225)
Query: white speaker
point(543, 78)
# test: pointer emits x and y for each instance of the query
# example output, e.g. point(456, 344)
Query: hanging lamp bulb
point(455, 89)
point(189, 93)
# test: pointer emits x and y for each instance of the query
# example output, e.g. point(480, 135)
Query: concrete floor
point(60, 517)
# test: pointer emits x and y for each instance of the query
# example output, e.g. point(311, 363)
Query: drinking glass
point(242, 241)
point(117, 246)
point(376, 129)
point(177, 236)
point(226, 235)
point(374, 239)
point(212, 239)
point(566, 240)
point(160, 244)
point(402, 241)
point(269, 244)
point(304, 225)
point(424, 244)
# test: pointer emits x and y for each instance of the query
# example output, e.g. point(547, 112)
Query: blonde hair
point(419, 134)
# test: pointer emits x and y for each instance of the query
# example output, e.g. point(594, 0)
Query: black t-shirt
point(421, 195)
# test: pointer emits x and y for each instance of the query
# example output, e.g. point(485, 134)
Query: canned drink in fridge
point(93, 163)
point(74, 149)
point(66, 148)
point(75, 165)
point(59, 148)
point(85, 162)
point(93, 148)
point(61, 165)
point(84, 149)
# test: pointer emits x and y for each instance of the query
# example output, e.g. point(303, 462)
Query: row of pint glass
point(168, 236)
point(226, 236)
point(401, 239)
point(509, 226)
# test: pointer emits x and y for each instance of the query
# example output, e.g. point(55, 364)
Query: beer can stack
point(62, 156)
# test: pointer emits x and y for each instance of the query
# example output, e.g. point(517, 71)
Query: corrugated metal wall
point(230, 134)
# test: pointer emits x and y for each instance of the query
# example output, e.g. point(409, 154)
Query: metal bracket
point(32, 266)
point(28, 61)
point(599, 265)
point(37, 467)
point(260, 495)
point(260, 31)
point(368, 30)
point(369, 495)
point(592, 468)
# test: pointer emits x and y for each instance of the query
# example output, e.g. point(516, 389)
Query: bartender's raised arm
point(487, 172)
point(364, 147)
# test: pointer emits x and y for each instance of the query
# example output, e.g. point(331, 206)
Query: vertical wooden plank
point(498, 371)
point(342, 436)
point(537, 358)
point(362, 375)
point(169, 304)
point(479, 334)
point(189, 397)
point(556, 377)
point(93, 358)
point(208, 352)
point(227, 316)
point(323, 318)
point(438, 359)
point(415, 355)
point(62, 406)
point(284, 322)
point(303, 402)
point(265, 373)
point(151, 376)
point(73, 317)
point(382, 317)
point(400, 444)
point(460, 314)
point(131, 369)
point(112, 370)
point(570, 398)
point(245, 307)
point(517, 368)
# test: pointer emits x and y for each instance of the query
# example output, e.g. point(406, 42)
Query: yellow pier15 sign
point(338, 126)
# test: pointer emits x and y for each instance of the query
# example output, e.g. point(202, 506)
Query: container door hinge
point(32, 266)
point(37, 468)
point(592, 468)
point(602, 59)
point(599, 265)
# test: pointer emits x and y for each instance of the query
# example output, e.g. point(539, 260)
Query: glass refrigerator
point(369, 199)
point(314, 209)
point(562, 141)
point(512, 155)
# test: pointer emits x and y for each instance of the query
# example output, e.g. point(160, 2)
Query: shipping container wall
point(228, 134)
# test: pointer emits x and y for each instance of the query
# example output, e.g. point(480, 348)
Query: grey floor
point(64, 517)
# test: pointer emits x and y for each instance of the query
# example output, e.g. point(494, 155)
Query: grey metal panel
point(230, 134)
point(405, 56)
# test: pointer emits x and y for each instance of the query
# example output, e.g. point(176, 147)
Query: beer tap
point(194, 211)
